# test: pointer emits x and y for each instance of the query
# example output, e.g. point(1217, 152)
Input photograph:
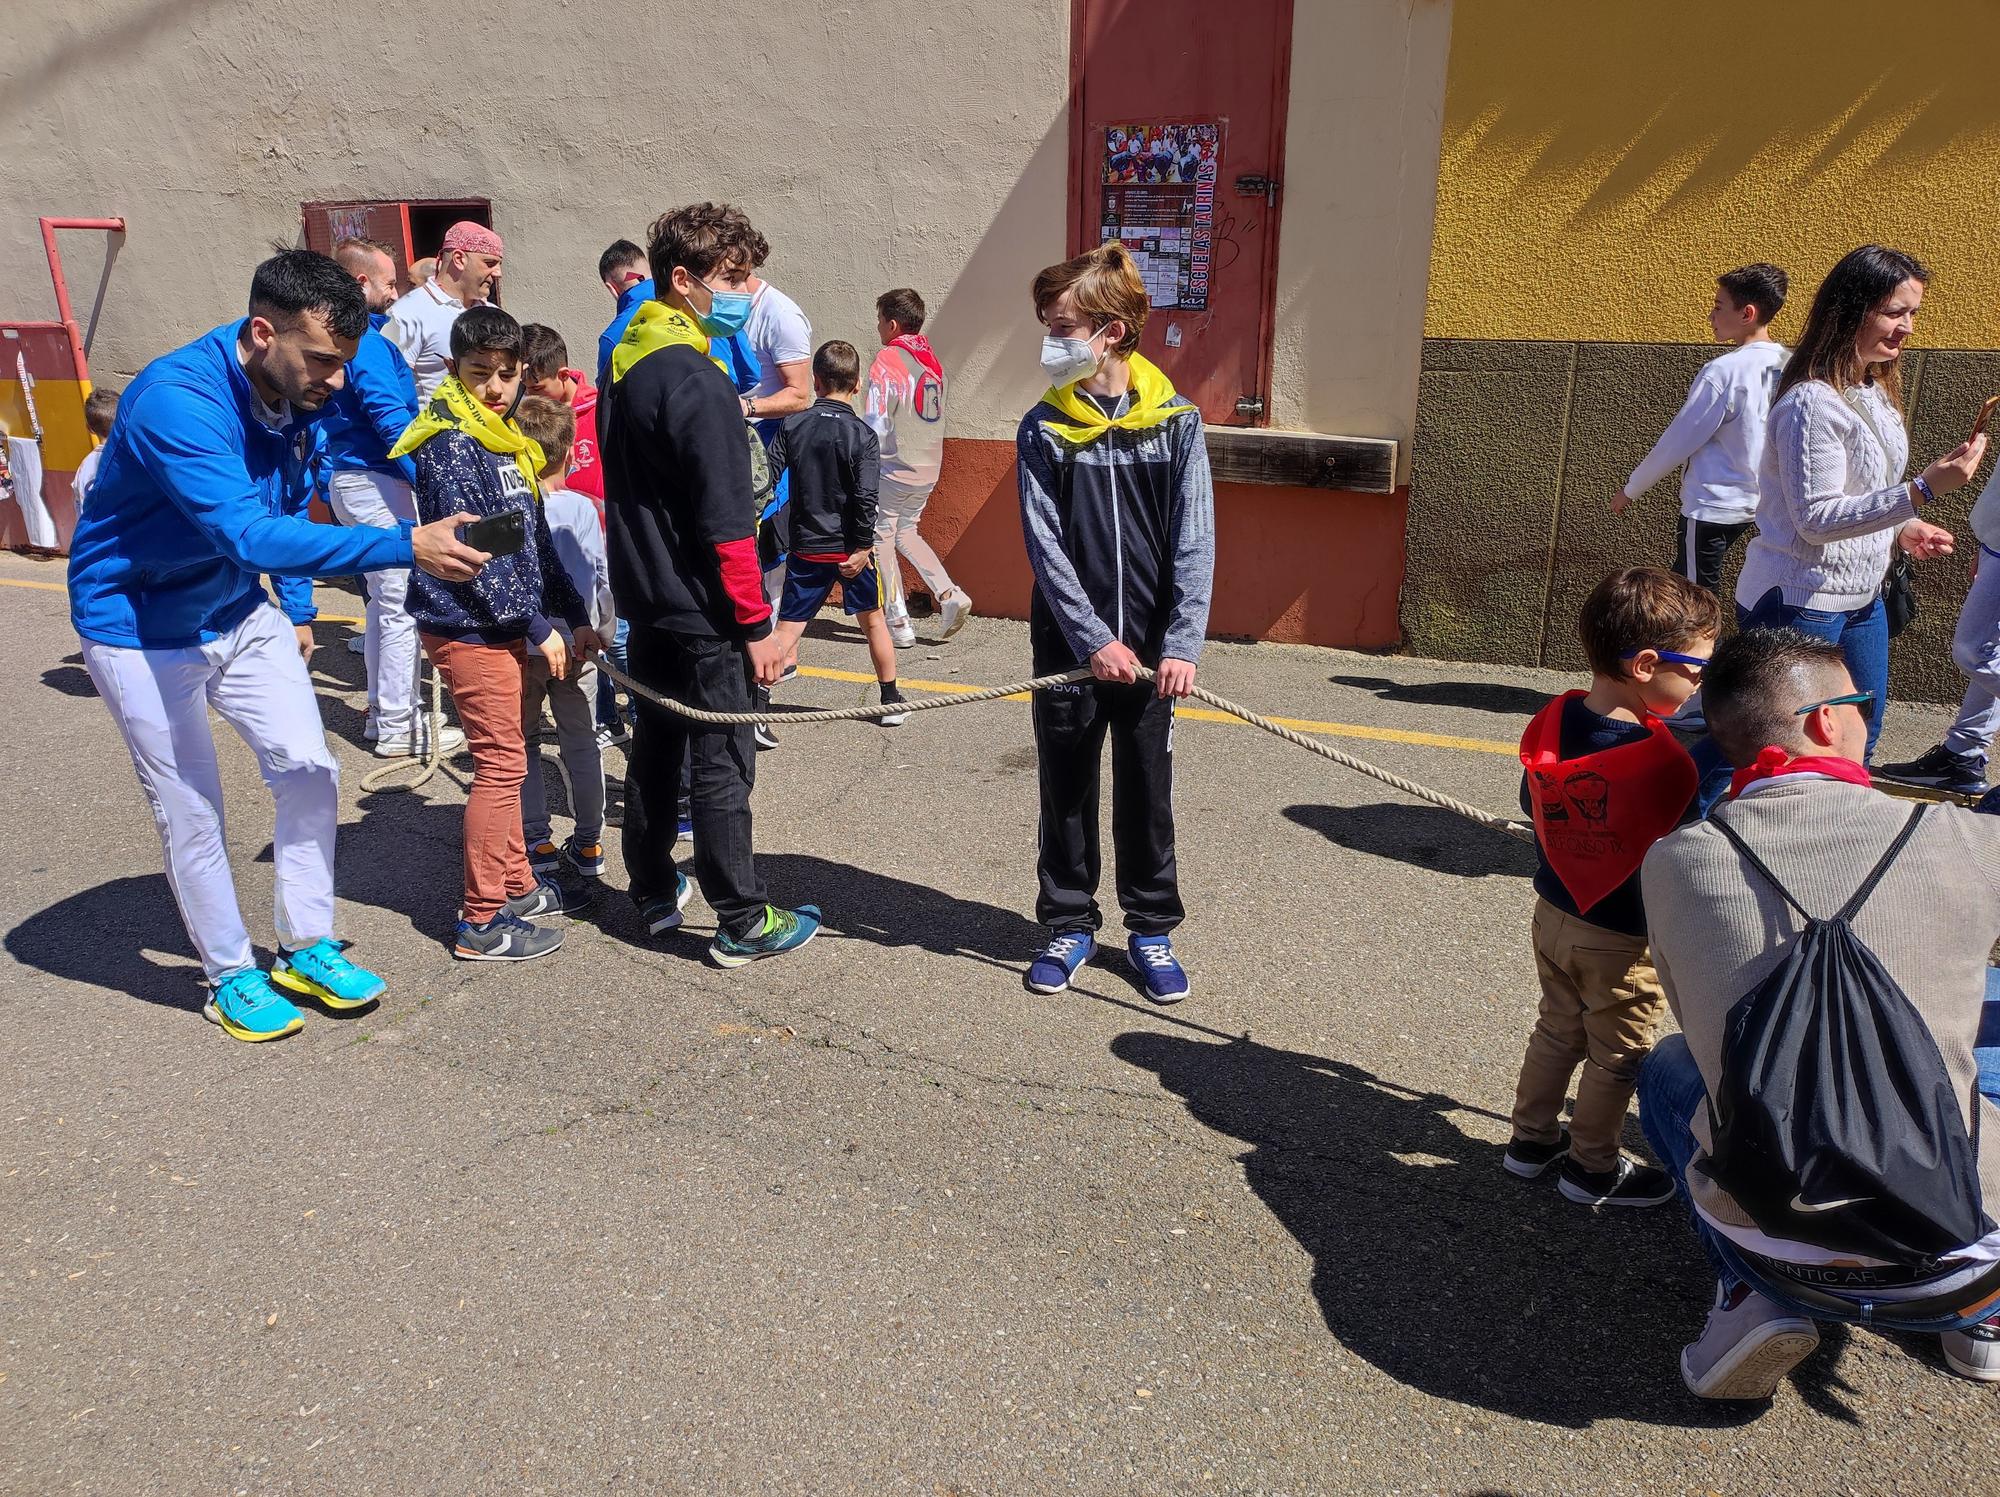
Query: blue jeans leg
point(1861, 633)
point(1670, 1089)
point(1986, 1048)
point(607, 692)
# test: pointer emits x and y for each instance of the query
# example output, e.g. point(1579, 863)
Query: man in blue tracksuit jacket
point(368, 487)
point(201, 488)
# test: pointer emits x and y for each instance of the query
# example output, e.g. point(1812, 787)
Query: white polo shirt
point(420, 324)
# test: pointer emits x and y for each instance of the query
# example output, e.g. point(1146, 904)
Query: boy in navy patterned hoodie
point(472, 458)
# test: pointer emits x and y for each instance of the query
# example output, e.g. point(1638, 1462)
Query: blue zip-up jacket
point(195, 497)
point(369, 412)
point(628, 303)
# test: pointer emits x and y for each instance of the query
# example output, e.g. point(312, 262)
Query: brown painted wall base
point(1292, 565)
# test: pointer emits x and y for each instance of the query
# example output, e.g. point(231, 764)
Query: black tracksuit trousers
point(1071, 724)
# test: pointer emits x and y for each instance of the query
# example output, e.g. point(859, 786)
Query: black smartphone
point(497, 535)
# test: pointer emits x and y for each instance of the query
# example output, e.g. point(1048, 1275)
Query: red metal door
point(1177, 145)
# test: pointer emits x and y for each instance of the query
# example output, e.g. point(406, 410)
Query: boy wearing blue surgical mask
point(1119, 516)
point(680, 535)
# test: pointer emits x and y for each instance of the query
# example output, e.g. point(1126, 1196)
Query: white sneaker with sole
point(1747, 1348)
point(902, 632)
point(414, 745)
point(955, 608)
point(1974, 1352)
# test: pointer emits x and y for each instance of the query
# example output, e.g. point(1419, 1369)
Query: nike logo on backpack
point(1800, 1203)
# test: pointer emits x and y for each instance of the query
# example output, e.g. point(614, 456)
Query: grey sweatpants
point(574, 704)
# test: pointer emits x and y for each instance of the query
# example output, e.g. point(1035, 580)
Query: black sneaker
point(549, 897)
point(1941, 769)
point(1624, 1184)
point(890, 696)
point(1532, 1161)
point(766, 739)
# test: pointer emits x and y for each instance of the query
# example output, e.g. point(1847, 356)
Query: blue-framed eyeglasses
point(1861, 699)
point(1697, 661)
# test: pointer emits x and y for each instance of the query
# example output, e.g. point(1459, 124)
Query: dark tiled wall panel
point(1519, 448)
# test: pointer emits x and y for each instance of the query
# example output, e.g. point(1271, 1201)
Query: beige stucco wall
point(205, 123)
point(1354, 245)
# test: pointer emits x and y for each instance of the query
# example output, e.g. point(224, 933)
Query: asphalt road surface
point(869, 1219)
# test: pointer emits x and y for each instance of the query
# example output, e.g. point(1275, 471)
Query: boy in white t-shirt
point(578, 538)
point(1719, 433)
point(100, 407)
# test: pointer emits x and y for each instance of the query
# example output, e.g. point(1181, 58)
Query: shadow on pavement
point(1479, 696)
point(70, 678)
point(102, 937)
point(1423, 835)
point(1440, 1269)
point(885, 911)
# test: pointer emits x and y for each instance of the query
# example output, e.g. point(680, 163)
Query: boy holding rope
point(1119, 517)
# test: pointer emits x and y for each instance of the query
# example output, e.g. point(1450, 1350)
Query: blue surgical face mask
point(726, 314)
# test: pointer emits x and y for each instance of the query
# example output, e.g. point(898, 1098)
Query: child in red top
point(1605, 779)
point(546, 372)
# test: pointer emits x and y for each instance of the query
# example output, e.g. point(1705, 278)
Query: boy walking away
point(578, 537)
point(1605, 779)
point(681, 532)
point(906, 408)
point(1119, 516)
point(100, 407)
point(833, 459)
point(471, 457)
point(1719, 433)
point(548, 375)
point(1958, 764)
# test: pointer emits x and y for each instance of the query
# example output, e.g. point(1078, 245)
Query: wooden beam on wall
point(1296, 459)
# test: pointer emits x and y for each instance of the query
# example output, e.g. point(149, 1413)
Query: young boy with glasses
point(1605, 779)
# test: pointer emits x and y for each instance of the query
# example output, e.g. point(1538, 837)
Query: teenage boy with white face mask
point(1119, 516)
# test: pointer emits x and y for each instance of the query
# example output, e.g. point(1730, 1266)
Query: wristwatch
point(750, 407)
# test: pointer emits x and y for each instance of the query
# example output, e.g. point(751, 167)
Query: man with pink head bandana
point(467, 274)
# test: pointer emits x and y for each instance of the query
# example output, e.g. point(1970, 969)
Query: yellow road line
point(1194, 714)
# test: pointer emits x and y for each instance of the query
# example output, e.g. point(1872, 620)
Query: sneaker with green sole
point(248, 1008)
point(322, 972)
point(782, 931)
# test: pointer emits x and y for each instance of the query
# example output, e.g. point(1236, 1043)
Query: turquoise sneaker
point(321, 971)
point(248, 1008)
point(782, 931)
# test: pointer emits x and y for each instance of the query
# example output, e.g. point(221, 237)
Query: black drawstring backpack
point(1835, 1123)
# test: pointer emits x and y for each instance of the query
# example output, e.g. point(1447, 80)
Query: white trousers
point(254, 678)
point(365, 498)
point(897, 510)
point(1975, 649)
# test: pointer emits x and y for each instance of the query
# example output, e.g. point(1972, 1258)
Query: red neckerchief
point(1772, 760)
point(918, 347)
point(1596, 816)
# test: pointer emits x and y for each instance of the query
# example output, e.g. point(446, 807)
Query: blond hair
point(1104, 285)
point(552, 427)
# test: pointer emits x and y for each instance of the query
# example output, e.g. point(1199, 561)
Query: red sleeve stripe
point(743, 580)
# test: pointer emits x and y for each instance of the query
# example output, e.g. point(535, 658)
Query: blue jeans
point(1670, 1091)
point(607, 693)
point(1861, 633)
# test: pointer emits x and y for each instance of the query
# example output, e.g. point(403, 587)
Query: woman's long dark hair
point(1862, 280)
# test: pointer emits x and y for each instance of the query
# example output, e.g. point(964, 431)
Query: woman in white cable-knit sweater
point(1833, 503)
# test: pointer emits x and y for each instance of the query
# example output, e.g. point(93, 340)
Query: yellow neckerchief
point(653, 327)
point(452, 407)
point(1151, 392)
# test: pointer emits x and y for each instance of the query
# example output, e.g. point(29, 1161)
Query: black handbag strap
point(1860, 897)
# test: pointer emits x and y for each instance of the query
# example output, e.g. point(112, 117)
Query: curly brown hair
point(702, 237)
point(1644, 608)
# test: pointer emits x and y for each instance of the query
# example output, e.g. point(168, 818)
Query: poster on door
point(1159, 198)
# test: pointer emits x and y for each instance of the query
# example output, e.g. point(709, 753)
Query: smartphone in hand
point(497, 535)
point(1985, 414)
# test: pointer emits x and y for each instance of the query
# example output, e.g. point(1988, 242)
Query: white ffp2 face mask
point(1067, 360)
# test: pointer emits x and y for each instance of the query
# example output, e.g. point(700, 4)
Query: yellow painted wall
point(1602, 160)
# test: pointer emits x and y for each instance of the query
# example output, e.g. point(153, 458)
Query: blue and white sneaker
point(321, 971)
point(661, 914)
point(549, 897)
point(544, 856)
point(587, 858)
point(248, 1008)
point(1154, 960)
point(504, 938)
point(685, 830)
point(1052, 970)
